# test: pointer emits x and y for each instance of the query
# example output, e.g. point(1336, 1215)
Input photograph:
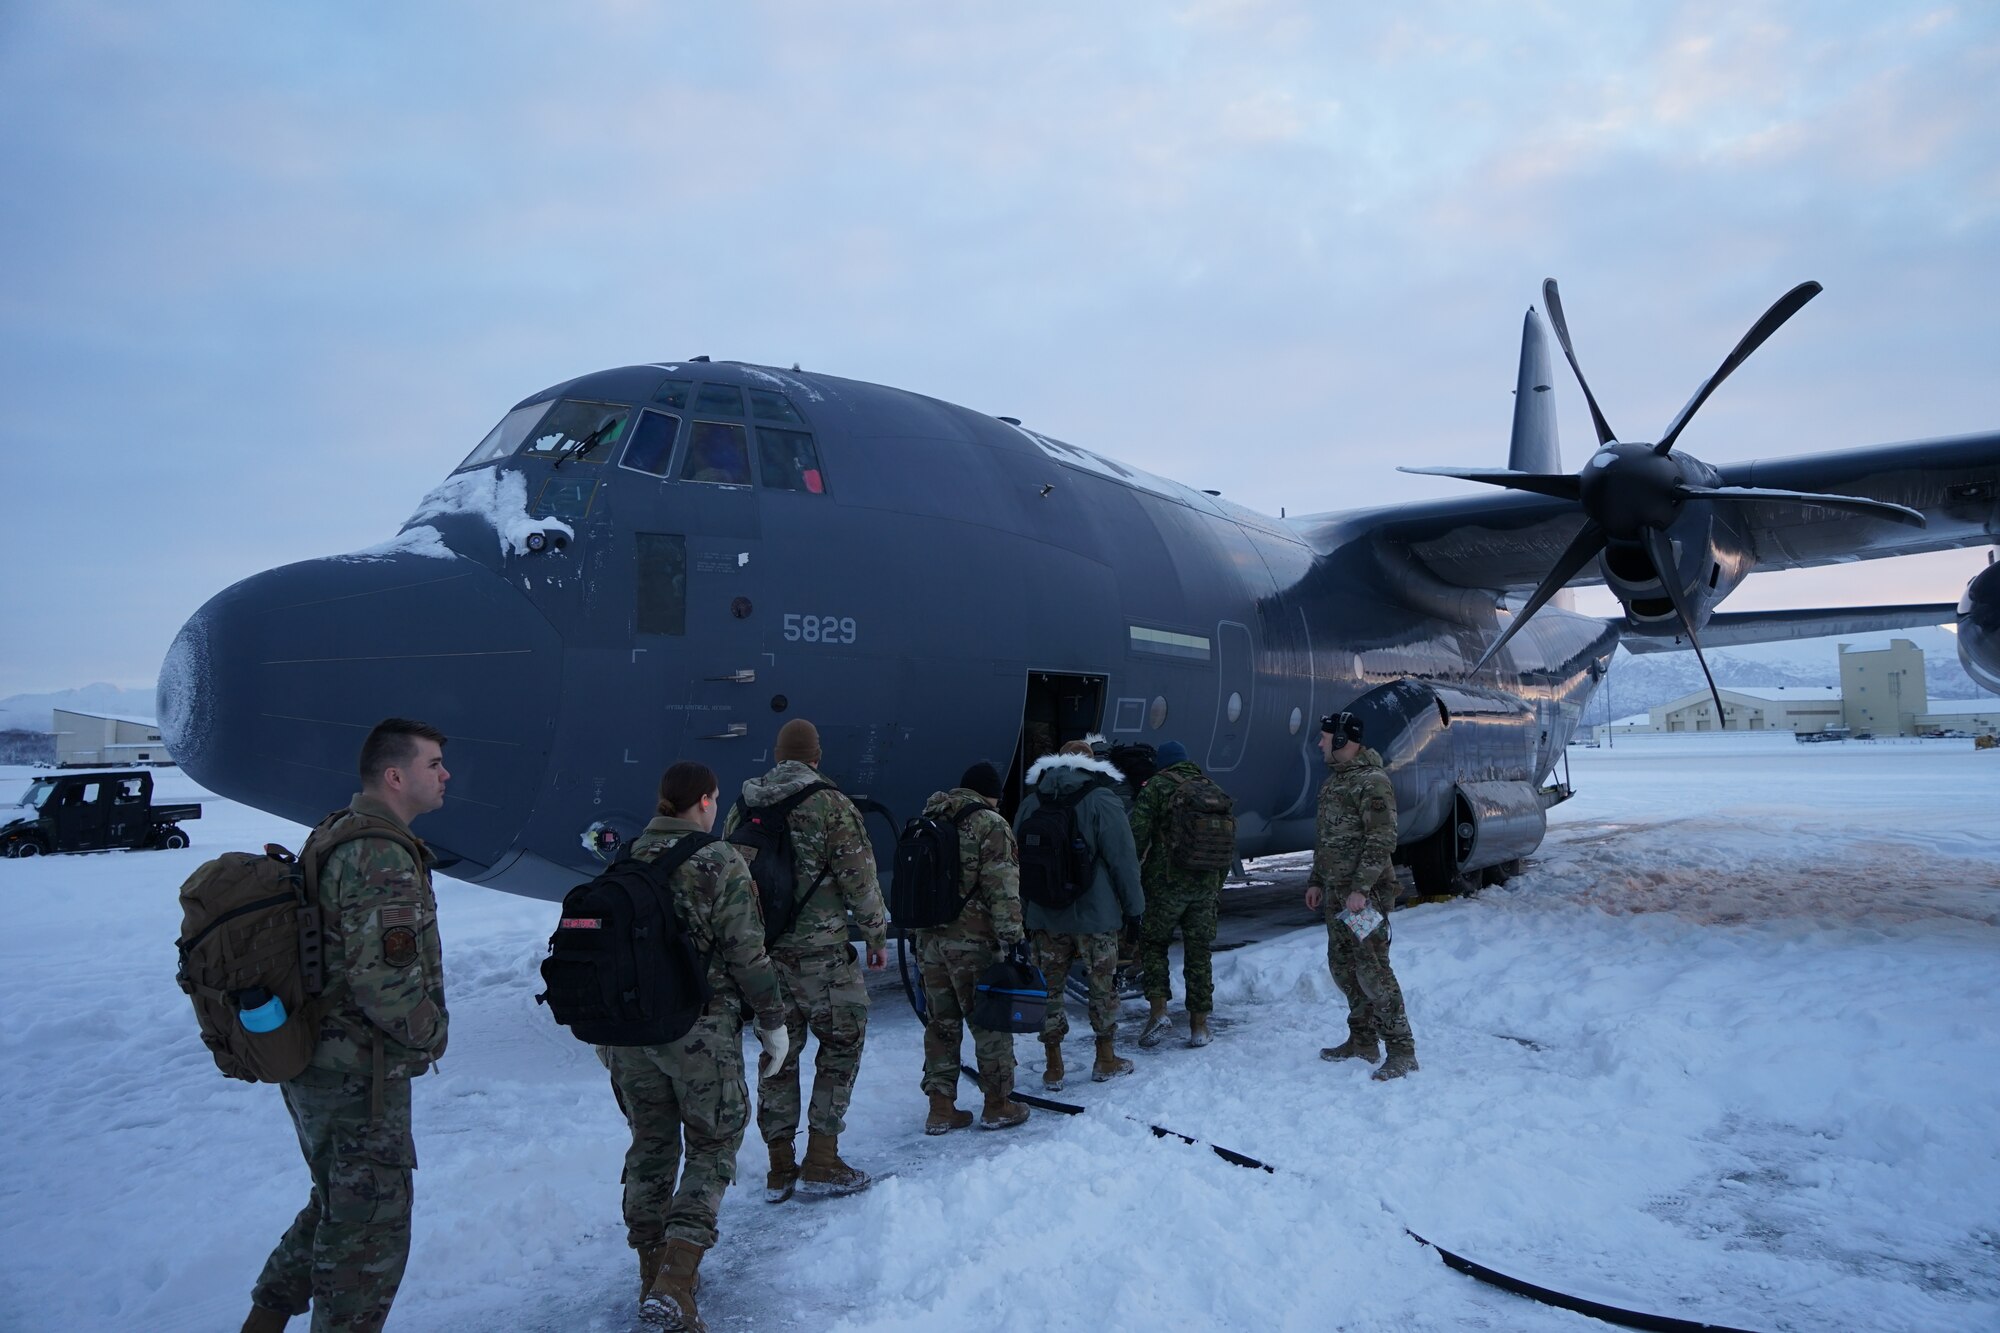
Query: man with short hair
point(834, 864)
point(955, 954)
point(1354, 879)
point(383, 1022)
point(1177, 898)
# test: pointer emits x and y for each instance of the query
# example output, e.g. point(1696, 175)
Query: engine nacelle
point(1979, 628)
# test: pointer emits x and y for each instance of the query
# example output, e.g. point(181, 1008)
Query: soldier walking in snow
point(383, 1023)
point(1353, 878)
point(1183, 862)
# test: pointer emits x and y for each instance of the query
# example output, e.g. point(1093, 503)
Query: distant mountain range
point(34, 712)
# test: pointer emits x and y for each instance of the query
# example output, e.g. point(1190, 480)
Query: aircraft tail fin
point(1534, 447)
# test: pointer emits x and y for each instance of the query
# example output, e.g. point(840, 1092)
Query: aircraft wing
point(1733, 629)
point(1507, 541)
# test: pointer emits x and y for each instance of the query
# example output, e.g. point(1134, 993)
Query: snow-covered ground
point(1730, 1050)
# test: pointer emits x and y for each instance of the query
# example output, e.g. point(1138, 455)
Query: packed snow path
point(1729, 1050)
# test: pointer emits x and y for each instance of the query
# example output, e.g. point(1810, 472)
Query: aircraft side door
point(1236, 683)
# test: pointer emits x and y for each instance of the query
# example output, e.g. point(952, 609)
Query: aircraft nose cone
point(270, 688)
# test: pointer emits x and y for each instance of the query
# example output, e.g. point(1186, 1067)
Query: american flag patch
point(582, 923)
point(400, 915)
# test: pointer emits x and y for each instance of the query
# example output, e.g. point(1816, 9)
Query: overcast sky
point(270, 271)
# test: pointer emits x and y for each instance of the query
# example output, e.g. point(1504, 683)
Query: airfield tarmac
point(1728, 1050)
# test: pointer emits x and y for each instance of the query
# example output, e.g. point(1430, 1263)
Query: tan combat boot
point(945, 1115)
point(1109, 1063)
point(1398, 1064)
point(1052, 1072)
point(1001, 1111)
point(1198, 1030)
point(1157, 1025)
point(263, 1319)
point(784, 1174)
point(669, 1301)
point(650, 1259)
point(825, 1173)
point(1354, 1048)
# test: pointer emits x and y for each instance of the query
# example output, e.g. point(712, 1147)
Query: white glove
point(777, 1044)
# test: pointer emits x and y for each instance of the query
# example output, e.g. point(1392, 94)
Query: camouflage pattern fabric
point(824, 994)
point(951, 970)
point(827, 835)
point(989, 867)
point(344, 1253)
point(384, 964)
point(1356, 837)
point(1187, 900)
point(1099, 956)
point(1356, 833)
point(692, 1090)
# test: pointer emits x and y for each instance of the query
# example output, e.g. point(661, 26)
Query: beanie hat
point(797, 739)
point(982, 778)
point(1171, 753)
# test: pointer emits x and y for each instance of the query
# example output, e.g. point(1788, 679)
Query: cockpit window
point(674, 393)
point(574, 422)
point(724, 398)
point(717, 452)
point(789, 461)
point(652, 445)
point(506, 437)
point(768, 406)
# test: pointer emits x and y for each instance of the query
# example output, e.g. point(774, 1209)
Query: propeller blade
point(1562, 485)
point(1781, 310)
point(1550, 298)
point(1662, 551)
point(1853, 504)
point(1582, 549)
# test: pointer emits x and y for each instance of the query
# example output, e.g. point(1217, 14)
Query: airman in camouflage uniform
point(693, 1088)
point(1176, 898)
point(822, 985)
point(1352, 871)
point(954, 955)
point(384, 1022)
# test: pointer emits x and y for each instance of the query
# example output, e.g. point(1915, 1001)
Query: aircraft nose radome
point(270, 688)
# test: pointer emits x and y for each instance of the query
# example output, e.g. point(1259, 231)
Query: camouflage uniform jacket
point(1152, 827)
point(1356, 833)
point(384, 966)
point(989, 871)
point(826, 832)
point(717, 903)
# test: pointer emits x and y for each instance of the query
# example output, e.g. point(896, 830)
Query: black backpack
point(1137, 760)
point(1056, 863)
point(621, 969)
point(767, 830)
point(925, 890)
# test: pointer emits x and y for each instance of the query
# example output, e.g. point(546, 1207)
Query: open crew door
point(1055, 707)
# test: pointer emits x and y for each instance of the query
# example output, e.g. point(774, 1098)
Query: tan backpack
point(250, 921)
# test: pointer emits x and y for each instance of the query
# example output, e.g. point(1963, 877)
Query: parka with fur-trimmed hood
point(1114, 891)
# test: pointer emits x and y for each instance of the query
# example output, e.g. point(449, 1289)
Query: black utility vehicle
point(91, 812)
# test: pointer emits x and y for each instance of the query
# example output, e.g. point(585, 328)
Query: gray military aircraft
point(668, 561)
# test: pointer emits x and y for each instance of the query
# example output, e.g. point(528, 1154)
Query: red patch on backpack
point(582, 923)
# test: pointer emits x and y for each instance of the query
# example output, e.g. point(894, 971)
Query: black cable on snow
point(1609, 1314)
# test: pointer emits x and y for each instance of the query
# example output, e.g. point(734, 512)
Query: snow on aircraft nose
point(270, 688)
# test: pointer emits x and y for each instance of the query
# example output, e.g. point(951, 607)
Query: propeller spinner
point(1632, 491)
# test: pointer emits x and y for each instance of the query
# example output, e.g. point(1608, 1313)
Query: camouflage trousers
point(1374, 1001)
point(823, 994)
point(1099, 956)
point(691, 1091)
point(344, 1253)
point(1192, 909)
point(951, 971)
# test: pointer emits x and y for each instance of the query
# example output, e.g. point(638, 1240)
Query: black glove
point(1019, 953)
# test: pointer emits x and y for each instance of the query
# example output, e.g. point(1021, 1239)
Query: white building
point(1883, 691)
point(1979, 717)
point(107, 740)
point(1793, 708)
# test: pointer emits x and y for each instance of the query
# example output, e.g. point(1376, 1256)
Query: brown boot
point(1002, 1111)
point(1398, 1064)
point(945, 1115)
point(1354, 1048)
point(825, 1173)
point(1198, 1030)
point(1052, 1073)
point(784, 1176)
point(263, 1319)
point(650, 1259)
point(669, 1301)
point(1157, 1025)
point(1109, 1063)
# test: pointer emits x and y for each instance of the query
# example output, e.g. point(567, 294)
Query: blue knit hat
point(1173, 752)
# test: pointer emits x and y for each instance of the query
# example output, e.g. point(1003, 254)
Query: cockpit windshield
point(506, 437)
point(572, 423)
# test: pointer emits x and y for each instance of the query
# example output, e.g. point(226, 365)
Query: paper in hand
point(1363, 922)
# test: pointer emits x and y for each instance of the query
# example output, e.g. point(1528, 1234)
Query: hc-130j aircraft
point(668, 561)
